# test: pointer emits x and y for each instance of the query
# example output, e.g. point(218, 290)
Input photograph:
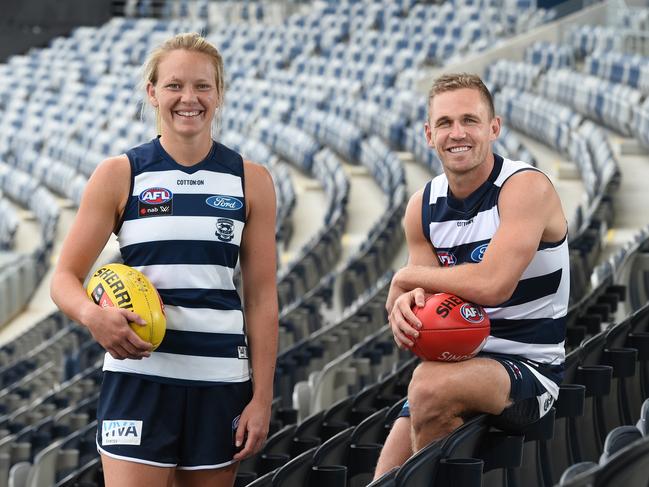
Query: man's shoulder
point(511, 167)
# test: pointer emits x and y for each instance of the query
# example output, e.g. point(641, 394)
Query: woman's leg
point(122, 473)
point(220, 477)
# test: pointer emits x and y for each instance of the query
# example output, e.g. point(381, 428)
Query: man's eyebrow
point(462, 115)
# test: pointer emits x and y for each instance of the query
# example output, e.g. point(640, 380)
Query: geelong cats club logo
point(224, 229)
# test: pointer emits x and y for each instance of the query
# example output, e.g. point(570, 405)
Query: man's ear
point(150, 91)
point(495, 128)
point(429, 135)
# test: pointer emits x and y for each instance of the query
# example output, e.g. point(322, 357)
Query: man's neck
point(462, 185)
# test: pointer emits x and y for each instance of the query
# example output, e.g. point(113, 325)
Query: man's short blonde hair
point(458, 81)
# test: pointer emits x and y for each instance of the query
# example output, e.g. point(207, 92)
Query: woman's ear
point(150, 91)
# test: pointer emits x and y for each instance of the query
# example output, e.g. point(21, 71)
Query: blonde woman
point(185, 210)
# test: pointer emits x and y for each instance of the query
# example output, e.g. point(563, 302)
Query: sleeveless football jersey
point(532, 323)
point(182, 227)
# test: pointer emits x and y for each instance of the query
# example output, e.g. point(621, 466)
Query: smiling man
point(492, 231)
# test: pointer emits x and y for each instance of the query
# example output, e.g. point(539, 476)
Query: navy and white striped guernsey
point(182, 228)
point(532, 323)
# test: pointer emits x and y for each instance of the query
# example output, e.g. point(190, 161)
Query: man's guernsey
point(532, 323)
point(182, 228)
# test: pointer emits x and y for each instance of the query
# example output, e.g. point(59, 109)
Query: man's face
point(461, 130)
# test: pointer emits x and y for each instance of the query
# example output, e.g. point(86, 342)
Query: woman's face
point(185, 93)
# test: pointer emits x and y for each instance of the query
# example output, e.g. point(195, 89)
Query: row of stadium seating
point(575, 419)
point(256, 151)
point(8, 223)
point(20, 273)
point(338, 371)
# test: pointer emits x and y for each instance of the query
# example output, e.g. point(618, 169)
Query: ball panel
point(452, 328)
point(124, 287)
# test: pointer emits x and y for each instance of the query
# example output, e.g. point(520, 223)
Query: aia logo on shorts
point(471, 313)
point(155, 196)
point(447, 259)
point(121, 432)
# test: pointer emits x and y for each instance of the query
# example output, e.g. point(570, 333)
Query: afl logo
point(471, 313)
point(155, 196)
point(447, 259)
point(478, 253)
point(224, 202)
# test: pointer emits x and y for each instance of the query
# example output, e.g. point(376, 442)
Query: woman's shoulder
point(257, 172)
point(114, 164)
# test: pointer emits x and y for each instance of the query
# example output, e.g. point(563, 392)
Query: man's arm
point(530, 210)
point(421, 253)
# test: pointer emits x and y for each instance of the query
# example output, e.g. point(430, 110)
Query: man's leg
point(441, 393)
point(397, 448)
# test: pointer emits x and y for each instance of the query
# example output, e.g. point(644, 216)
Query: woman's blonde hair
point(192, 42)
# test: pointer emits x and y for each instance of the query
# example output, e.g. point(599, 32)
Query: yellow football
point(121, 286)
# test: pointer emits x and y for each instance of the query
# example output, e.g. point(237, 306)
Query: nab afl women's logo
point(155, 202)
point(471, 313)
point(155, 196)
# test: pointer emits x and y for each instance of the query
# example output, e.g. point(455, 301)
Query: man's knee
point(431, 395)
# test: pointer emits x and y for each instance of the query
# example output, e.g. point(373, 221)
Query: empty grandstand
point(331, 97)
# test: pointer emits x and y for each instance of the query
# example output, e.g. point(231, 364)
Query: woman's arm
point(102, 204)
point(259, 274)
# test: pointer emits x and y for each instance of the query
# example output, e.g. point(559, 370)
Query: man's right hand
point(404, 323)
point(110, 327)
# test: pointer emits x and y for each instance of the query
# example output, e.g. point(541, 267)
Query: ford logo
point(155, 196)
point(471, 313)
point(478, 253)
point(224, 202)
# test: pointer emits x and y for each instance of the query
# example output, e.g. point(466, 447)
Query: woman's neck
point(186, 151)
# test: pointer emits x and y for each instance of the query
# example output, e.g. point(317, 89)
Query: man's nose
point(457, 131)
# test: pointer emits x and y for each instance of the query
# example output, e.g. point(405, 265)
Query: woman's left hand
point(253, 429)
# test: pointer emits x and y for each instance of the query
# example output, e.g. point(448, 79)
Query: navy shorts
point(534, 388)
point(165, 425)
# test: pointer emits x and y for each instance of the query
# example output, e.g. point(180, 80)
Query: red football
point(452, 329)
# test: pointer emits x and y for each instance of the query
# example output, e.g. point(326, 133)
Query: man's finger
point(420, 297)
point(411, 318)
point(404, 321)
point(400, 336)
